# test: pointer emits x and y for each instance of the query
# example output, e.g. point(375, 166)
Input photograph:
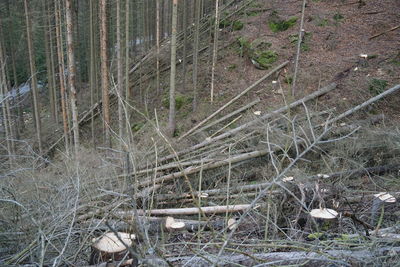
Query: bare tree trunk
point(119, 73)
point(53, 78)
point(72, 73)
point(49, 69)
point(215, 48)
point(6, 120)
point(92, 71)
point(19, 122)
point(172, 113)
point(127, 92)
point(104, 70)
point(36, 108)
point(185, 26)
point(158, 43)
point(61, 68)
point(196, 53)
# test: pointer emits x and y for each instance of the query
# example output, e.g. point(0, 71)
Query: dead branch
point(234, 99)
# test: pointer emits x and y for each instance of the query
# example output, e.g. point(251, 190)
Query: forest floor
point(341, 45)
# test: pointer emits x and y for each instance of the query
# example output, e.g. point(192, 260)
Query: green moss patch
point(264, 58)
point(180, 101)
point(304, 46)
point(377, 86)
point(236, 25)
point(280, 25)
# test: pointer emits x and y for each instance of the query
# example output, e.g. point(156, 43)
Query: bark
point(6, 119)
point(119, 88)
point(92, 68)
point(215, 48)
point(185, 29)
point(298, 258)
point(172, 112)
point(104, 70)
point(32, 64)
point(52, 66)
point(48, 63)
point(72, 73)
point(196, 53)
point(61, 74)
point(158, 44)
point(186, 211)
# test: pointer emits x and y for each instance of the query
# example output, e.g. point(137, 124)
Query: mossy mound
point(264, 59)
point(258, 52)
point(180, 101)
point(236, 25)
point(279, 25)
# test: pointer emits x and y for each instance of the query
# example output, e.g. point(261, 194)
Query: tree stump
point(109, 248)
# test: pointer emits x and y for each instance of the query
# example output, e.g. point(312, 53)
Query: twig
point(382, 33)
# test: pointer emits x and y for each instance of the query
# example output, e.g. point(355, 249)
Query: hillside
point(245, 179)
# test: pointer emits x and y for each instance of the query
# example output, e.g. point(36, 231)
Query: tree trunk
point(119, 73)
point(36, 108)
point(158, 44)
point(53, 78)
point(72, 73)
point(6, 120)
point(185, 26)
point(215, 48)
point(196, 53)
point(172, 122)
point(61, 68)
point(48, 63)
point(92, 70)
point(104, 70)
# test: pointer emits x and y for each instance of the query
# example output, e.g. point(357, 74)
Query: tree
point(61, 68)
point(196, 52)
point(72, 73)
point(215, 48)
point(104, 69)
point(49, 66)
point(32, 64)
point(6, 118)
point(172, 121)
point(119, 72)
point(158, 44)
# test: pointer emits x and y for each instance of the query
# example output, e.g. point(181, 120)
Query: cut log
point(297, 258)
point(186, 211)
point(111, 247)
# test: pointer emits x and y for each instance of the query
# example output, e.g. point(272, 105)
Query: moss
point(279, 25)
point(244, 46)
point(180, 101)
point(377, 86)
point(288, 79)
point(232, 67)
point(265, 58)
point(338, 17)
point(316, 235)
point(237, 25)
point(137, 126)
point(304, 46)
point(224, 23)
point(322, 22)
